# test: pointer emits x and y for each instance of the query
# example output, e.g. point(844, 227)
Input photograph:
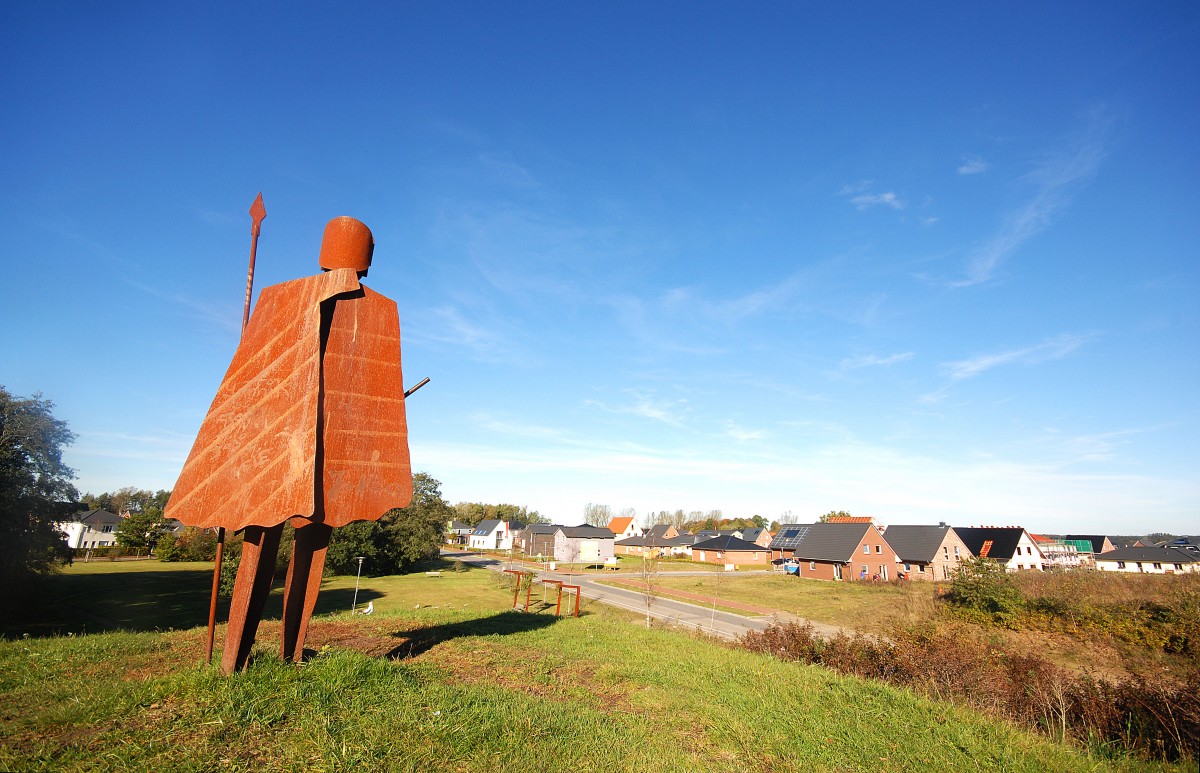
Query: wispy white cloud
point(869, 360)
point(646, 406)
point(972, 165)
point(868, 200)
point(1050, 349)
point(861, 197)
point(1053, 180)
point(742, 434)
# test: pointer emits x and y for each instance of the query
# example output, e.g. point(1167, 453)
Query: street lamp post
point(354, 603)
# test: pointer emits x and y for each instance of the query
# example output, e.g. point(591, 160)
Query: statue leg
point(250, 591)
point(303, 585)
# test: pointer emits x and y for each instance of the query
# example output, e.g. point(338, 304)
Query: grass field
point(461, 683)
point(867, 607)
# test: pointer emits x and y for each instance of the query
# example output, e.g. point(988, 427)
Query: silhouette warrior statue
point(308, 426)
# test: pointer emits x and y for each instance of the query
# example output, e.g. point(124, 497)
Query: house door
point(837, 571)
point(883, 573)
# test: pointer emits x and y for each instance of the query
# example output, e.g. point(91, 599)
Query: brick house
point(729, 550)
point(927, 552)
point(836, 551)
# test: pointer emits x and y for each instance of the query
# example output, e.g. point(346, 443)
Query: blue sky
point(918, 261)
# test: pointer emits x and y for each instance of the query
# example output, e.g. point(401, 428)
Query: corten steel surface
point(308, 425)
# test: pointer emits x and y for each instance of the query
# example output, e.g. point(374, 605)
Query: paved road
point(680, 613)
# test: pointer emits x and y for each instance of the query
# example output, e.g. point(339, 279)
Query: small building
point(1151, 560)
point(491, 534)
point(927, 552)
point(90, 529)
point(1009, 545)
point(536, 539)
point(729, 550)
point(583, 544)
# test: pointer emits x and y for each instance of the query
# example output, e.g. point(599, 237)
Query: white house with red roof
point(624, 528)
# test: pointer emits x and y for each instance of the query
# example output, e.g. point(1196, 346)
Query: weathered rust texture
point(250, 593)
point(308, 425)
point(303, 585)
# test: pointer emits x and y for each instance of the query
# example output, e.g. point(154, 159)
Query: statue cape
point(309, 420)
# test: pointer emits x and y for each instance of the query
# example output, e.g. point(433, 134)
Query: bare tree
point(597, 515)
point(648, 574)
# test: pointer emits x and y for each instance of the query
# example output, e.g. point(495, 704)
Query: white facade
point(491, 535)
point(1027, 556)
point(587, 549)
point(93, 529)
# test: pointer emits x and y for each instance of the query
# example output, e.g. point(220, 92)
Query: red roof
point(619, 525)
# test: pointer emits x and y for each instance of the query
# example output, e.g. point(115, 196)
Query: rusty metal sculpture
point(308, 426)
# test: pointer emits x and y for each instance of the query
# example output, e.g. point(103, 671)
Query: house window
point(908, 567)
point(108, 529)
point(921, 568)
point(1179, 567)
point(879, 548)
point(866, 550)
point(1120, 564)
point(945, 551)
point(812, 566)
point(1157, 565)
point(956, 550)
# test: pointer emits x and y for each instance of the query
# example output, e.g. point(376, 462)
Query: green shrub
point(984, 587)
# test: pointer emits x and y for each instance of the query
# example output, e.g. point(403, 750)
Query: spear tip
point(257, 213)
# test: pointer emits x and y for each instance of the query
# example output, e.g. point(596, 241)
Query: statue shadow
point(421, 640)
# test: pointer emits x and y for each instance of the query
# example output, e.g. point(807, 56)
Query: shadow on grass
point(421, 640)
point(138, 601)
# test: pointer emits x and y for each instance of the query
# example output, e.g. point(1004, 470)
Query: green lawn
point(868, 607)
point(462, 683)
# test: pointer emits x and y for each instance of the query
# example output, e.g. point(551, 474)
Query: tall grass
point(1152, 718)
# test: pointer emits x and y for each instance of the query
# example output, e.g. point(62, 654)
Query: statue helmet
point(347, 243)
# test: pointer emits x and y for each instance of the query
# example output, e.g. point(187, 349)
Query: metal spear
point(257, 213)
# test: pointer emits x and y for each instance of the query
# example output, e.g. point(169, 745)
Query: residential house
point(1150, 560)
point(624, 528)
point(662, 531)
point(729, 550)
point(758, 536)
point(1097, 544)
point(1063, 553)
point(927, 552)
point(491, 534)
point(836, 551)
point(849, 519)
point(1009, 545)
point(537, 539)
point(660, 540)
point(458, 533)
point(583, 544)
point(1190, 544)
point(91, 529)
